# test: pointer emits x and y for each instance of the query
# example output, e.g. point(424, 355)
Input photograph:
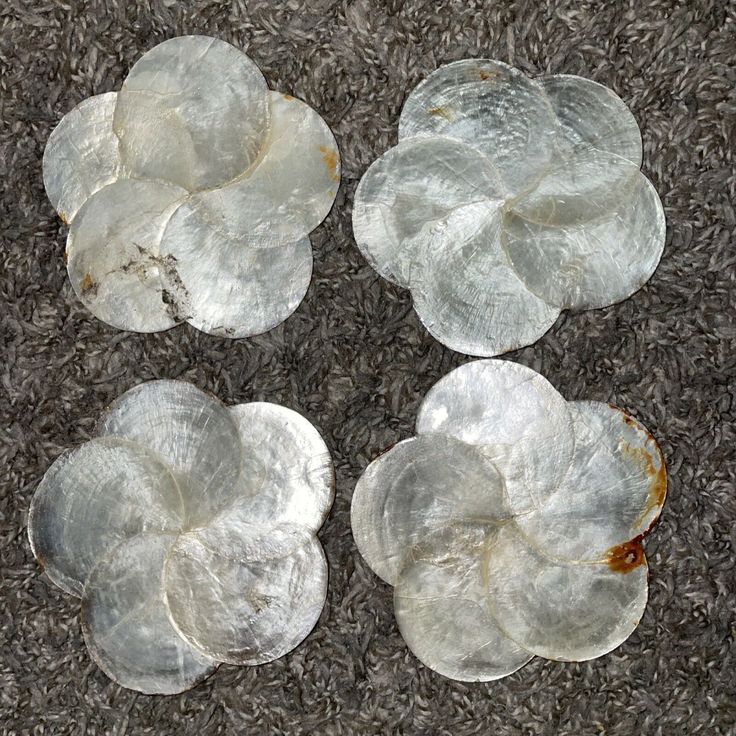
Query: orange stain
point(626, 557)
point(329, 156)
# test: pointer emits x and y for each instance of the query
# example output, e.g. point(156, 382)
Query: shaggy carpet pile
point(356, 361)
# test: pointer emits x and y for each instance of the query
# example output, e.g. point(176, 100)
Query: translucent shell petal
point(245, 611)
point(419, 485)
point(516, 416)
point(491, 106)
point(581, 184)
point(565, 611)
point(192, 432)
point(233, 289)
point(299, 484)
point(590, 113)
point(291, 187)
point(467, 294)
point(411, 189)
point(595, 263)
point(81, 155)
point(613, 492)
point(441, 607)
point(94, 497)
point(113, 256)
point(125, 622)
point(193, 112)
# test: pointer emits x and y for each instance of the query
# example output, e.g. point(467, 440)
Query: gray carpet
point(355, 359)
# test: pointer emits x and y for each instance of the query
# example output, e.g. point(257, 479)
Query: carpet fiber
point(356, 361)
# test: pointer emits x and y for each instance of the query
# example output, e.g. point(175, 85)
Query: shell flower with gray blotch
point(508, 200)
point(190, 193)
point(512, 524)
point(188, 529)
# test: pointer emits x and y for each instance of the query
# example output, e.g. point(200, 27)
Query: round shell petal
point(245, 611)
point(193, 112)
point(419, 485)
point(81, 155)
point(193, 433)
point(466, 292)
point(291, 187)
point(126, 623)
point(411, 189)
point(113, 256)
point(491, 106)
point(233, 289)
point(441, 607)
point(299, 484)
point(581, 184)
point(590, 113)
point(516, 416)
point(94, 497)
point(595, 263)
point(613, 492)
point(565, 611)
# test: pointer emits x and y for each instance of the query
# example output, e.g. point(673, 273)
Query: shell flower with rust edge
point(190, 193)
point(508, 200)
point(512, 524)
point(188, 529)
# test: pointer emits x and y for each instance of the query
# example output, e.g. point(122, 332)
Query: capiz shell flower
point(512, 524)
point(190, 194)
point(508, 200)
point(188, 529)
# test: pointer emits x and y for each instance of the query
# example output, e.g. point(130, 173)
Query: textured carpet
point(355, 359)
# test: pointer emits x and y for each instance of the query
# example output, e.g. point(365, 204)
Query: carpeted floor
point(355, 359)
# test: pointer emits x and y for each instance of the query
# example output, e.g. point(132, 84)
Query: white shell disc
point(467, 294)
point(291, 187)
point(94, 497)
point(420, 484)
point(113, 256)
point(409, 190)
point(440, 602)
point(126, 623)
point(81, 155)
point(590, 113)
point(515, 414)
point(192, 432)
point(565, 611)
point(614, 490)
point(299, 484)
point(491, 106)
point(233, 289)
point(581, 184)
point(192, 111)
point(245, 611)
point(595, 263)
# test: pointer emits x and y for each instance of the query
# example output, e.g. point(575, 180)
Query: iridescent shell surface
point(188, 529)
point(190, 193)
point(507, 200)
point(512, 524)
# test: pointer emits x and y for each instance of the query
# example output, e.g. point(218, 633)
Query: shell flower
point(512, 524)
point(190, 193)
point(188, 529)
point(508, 200)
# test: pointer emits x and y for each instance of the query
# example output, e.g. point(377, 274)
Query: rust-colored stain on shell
point(441, 112)
point(64, 218)
point(87, 283)
point(287, 96)
point(624, 558)
point(329, 156)
point(485, 74)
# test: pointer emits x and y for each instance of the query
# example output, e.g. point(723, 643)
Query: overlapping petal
point(191, 193)
point(571, 222)
point(188, 530)
point(512, 525)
